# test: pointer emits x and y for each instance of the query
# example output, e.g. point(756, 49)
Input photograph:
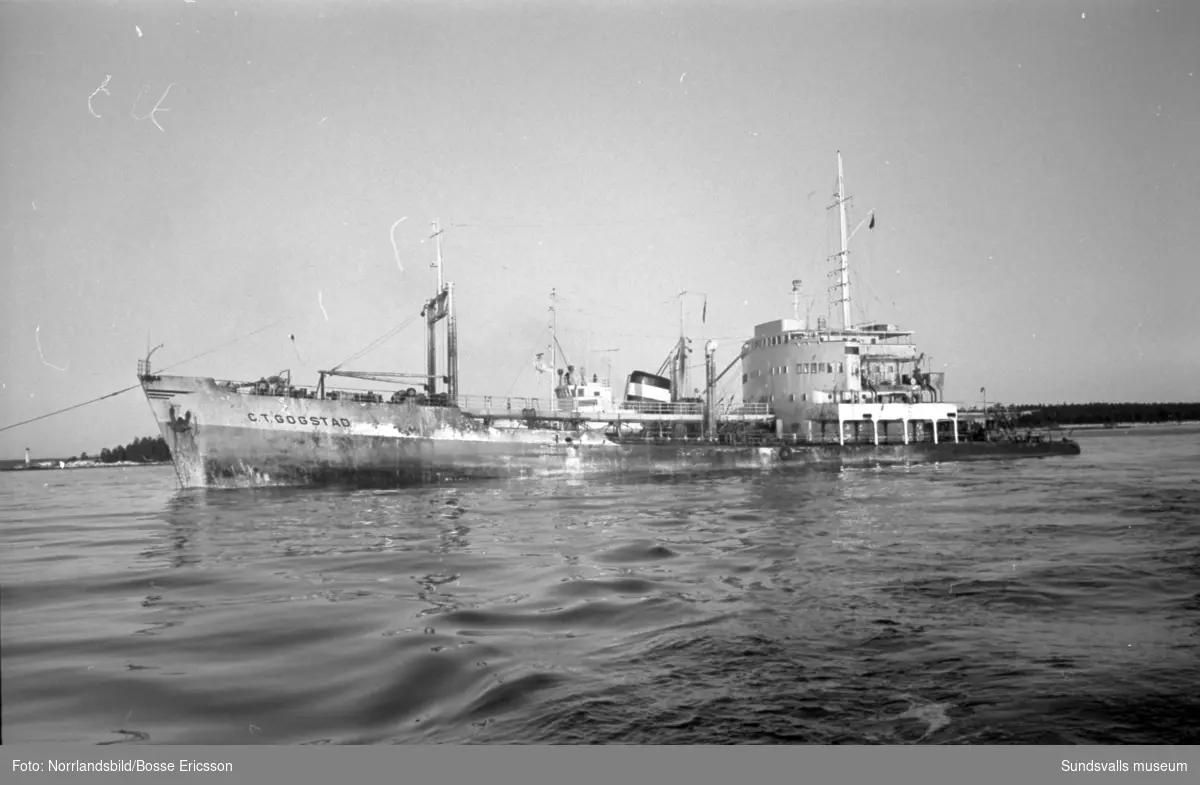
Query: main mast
point(844, 267)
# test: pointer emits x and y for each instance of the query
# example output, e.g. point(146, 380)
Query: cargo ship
point(811, 394)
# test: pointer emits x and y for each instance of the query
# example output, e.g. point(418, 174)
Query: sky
point(1033, 168)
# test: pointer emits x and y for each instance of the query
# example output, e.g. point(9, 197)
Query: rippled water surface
point(1037, 601)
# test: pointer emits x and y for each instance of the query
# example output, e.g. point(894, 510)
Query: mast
point(844, 267)
point(710, 382)
point(451, 345)
point(796, 299)
point(431, 316)
point(682, 377)
point(553, 350)
point(437, 235)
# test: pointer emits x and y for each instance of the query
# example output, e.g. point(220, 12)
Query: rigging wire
point(69, 408)
point(377, 342)
point(134, 387)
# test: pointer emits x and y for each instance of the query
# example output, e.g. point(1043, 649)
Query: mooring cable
point(134, 387)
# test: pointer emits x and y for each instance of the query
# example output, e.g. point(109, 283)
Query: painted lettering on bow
point(288, 419)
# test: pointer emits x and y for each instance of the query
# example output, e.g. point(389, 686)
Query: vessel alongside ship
point(810, 394)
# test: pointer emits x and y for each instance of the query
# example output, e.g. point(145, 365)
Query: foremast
point(437, 308)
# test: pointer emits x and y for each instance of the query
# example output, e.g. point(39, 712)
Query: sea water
point(1052, 601)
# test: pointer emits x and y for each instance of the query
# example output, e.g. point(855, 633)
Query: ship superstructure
point(851, 382)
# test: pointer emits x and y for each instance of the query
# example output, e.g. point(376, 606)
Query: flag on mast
point(872, 224)
point(704, 310)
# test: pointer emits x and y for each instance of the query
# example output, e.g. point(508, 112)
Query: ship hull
point(220, 438)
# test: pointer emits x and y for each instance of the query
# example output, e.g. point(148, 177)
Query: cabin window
point(841, 368)
point(745, 378)
point(792, 397)
point(597, 393)
point(804, 396)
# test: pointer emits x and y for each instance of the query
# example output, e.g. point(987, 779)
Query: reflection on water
point(1040, 601)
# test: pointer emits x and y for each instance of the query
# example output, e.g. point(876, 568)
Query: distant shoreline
point(1122, 426)
point(45, 466)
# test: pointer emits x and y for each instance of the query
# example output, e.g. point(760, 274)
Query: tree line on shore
point(1103, 413)
point(143, 450)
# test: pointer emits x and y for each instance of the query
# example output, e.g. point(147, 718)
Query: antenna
point(437, 236)
point(796, 298)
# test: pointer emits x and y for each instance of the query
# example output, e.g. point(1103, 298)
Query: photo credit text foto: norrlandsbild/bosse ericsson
point(122, 766)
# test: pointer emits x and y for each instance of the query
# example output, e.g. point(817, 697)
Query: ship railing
point(495, 405)
point(747, 409)
point(583, 381)
point(518, 406)
point(662, 407)
point(503, 405)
